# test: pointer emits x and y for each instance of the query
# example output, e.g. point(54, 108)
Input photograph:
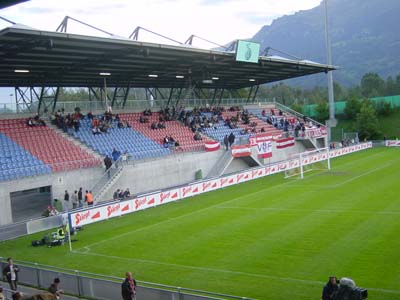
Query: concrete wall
point(59, 182)
point(164, 172)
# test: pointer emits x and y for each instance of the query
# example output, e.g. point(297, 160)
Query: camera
point(349, 291)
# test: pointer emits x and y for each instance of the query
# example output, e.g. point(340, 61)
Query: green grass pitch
point(271, 238)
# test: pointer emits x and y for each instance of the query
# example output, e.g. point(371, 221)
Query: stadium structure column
point(23, 99)
point(47, 99)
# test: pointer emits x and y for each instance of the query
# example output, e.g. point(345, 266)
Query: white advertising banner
point(392, 143)
point(228, 181)
point(100, 213)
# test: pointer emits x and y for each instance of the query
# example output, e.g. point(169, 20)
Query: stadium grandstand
point(167, 147)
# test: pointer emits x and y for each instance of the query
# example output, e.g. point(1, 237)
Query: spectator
point(116, 154)
point(1, 294)
point(66, 201)
point(89, 198)
point(80, 198)
point(115, 195)
point(226, 142)
point(121, 195)
point(74, 199)
point(197, 136)
point(10, 273)
point(153, 126)
point(55, 288)
point(231, 139)
point(108, 164)
point(128, 287)
point(127, 193)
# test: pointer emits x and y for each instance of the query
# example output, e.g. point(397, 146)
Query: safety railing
point(102, 287)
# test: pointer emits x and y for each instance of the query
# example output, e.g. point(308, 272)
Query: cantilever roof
point(70, 60)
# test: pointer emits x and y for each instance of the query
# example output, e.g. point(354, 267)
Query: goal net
point(312, 160)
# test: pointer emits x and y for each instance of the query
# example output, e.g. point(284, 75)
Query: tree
point(367, 124)
point(372, 85)
point(391, 87)
point(338, 91)
point(322, 110)
point(352, 108)
point(297, 107)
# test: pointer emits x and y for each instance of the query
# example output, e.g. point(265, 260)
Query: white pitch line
point(184, 215)
point(195, 212)
point(361, 175)
point(284, 279)
point(313, 210)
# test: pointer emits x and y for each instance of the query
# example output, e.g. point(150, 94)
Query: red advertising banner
point(241, 150)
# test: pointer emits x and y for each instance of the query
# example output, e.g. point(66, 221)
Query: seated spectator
point(262, 129)
point(127, 193)
point(90, 115)
point(147, 112)
point(197, 136)
point(117, 118)
point(95, 122)
point(263, 113)
point(143, 120)
point(29, 122)
point(77, 124)
point(96, 130)
point(166, 141)
point(153, 126)
point(161, 125)
point(121, 195)
point(120, 124)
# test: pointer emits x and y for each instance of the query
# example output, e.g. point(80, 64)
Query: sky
point(219, 21)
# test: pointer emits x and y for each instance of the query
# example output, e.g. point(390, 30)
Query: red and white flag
point(212, 145)
point(284, 143)
point(241, 150)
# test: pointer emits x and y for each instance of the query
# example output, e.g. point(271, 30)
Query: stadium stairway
point(75, 141)
point(105, 183)
point(222, 164)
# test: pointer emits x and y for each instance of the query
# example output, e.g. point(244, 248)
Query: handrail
point(112, 171)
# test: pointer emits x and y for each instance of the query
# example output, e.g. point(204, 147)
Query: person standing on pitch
point(10, 272)
point(128, 287)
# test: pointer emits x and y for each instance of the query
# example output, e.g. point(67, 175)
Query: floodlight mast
point(332, 121)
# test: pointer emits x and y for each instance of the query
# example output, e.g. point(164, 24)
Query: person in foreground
point(128, 287)
point(330, 288)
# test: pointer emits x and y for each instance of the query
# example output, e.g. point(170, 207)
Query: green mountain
point(365, 37)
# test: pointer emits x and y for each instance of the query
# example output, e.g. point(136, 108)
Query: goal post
point(312, 160)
